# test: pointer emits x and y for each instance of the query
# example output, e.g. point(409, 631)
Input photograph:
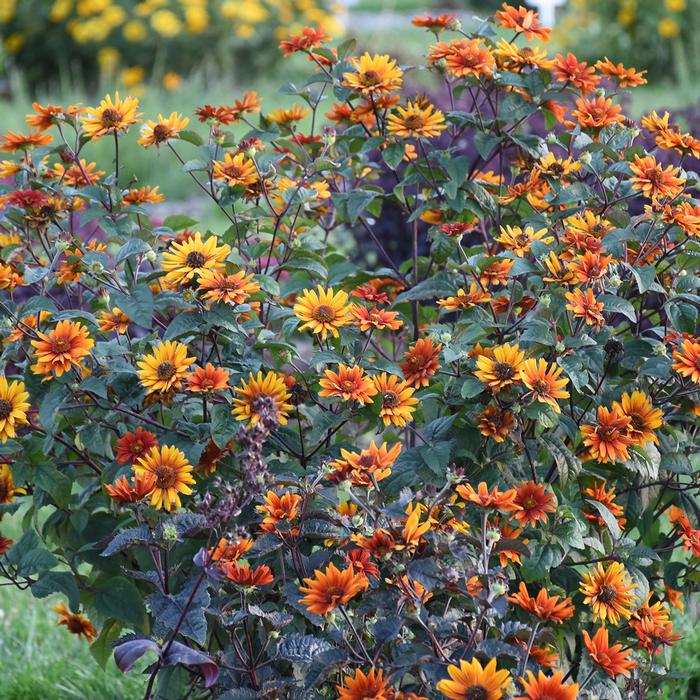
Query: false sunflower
point(172, 475)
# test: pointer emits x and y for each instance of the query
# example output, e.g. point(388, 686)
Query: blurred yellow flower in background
point(669, 28)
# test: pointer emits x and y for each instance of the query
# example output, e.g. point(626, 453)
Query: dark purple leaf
point(180, 654)
point(128, 653)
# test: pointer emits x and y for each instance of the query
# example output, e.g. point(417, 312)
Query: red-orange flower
point(625, 77)
point(655, 181)
point(330, 588)
point(567, 69)
point(131, 446)
point(534, 502)
point(122, 491)
point(75, 623)
point(277, 508)
point(359, 686)
point(420, 362)
point(608, 438)
point(687, 360)
point(611, 658)
point(230, 550)
point(596, 112)
point(543, 606)
point(482, 497)
point(243, 575)
point(522, 21)
point(308, 38)
point(348, 383)
point(206, 379)
point(547, 687)
point(584, 305)
point(495, 423)
point(62, 348)
point(374, 318)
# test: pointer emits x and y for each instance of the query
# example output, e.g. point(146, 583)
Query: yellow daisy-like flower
point(472, 680)
point(513, 238)
point(254, 393)
point(373, 74)
point(111, 117)
point(644, 418)
point(13, 407)
point(323, 312)
point(416, 120)
point(607, 591)
point(503, 369)
point(236, 170)
point(192, 256)
point(165, 368)
point(285, 116)
point(172, 472)
point(8, 490)
point(398, 402)
point(154, 133)
point(544, 382)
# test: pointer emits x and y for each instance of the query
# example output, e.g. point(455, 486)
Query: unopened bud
point(585, 158)
point(498, 588)
point(96, 267)
point(151, 256)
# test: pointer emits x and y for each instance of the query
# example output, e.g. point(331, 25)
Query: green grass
point(42, 661)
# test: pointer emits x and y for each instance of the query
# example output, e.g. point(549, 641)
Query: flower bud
point(498, 588)
point(545, 301)
point(615, 281)
point(446, 337)
point(493, 535)
point(96, 267)
point(551, 138)
point(62, 245)
point(170, 535)
point(151, 256)
point(585, 158)
point(660, 350)
point(560, 347)
point(189, 296)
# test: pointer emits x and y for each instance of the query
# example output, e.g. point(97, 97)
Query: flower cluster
point(471, 474)
point(137, 41)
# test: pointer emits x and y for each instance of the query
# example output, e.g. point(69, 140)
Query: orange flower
point(611, 659)
point(379, 544)
point(372, 686)
point(654, 636)
point(547, 688)
point(398, 402)
point(142, 195)
point(373, 75)
point(434, 24)
point(349, 383)
point(366, 466)
point(687, 360)
point(12, 142)
point(360, 560)
point(607, 591)
point(420, 362)
point(330, 588)
point(482, 497)
point(413, 592)
point(45, 117)
point(544, 383)
point(374, 318)
point(655, 181)
point(229, 289)
point(496, 273)
point(278, 508)
point(597, 112)
point(115, 320)
point(236, 170)
point(131, 446)
point(243, 575)
point(522, 21)
point(413, 529)
point(464, 57)
point(507, 532)
point(625, 77)
point(465, 300)
point(608, 438)
point(503, 369)
point(567, 69)
point(75, 623)
point(110, 117)
point(644, 418)
point(657, 612)
point(230, 550)
point(122, 491)
point(309, 38)
point(544, 606)
point(472, 680)
point(206, 379)
point(674, 598)
point(589, 267)
point(253, 393)
point(584, 305)
point(534, 502)
point(495, 423)
point(62, 348)
point(519, 241)
point(599, 493)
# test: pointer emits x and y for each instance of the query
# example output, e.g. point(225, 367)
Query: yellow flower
point(191, 257)
point(111, 117)
point(416, 120)
point(255, 391)
point(166, 23)
point(165, 368)
point(154, 133)
point(132, 76)
point(398, 402)
point(373, 74)
point(323, 312)
point(8, 490)
point(236, 170)
point(172, 81)
point(13, 407)
point(172, 472)
point(668, 28)
point(134, 30)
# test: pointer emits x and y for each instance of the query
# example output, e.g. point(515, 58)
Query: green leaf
point(609, 519)
point(118, 597)
point(138, 306)
point(58, 582)
point(619, 305)
point(48, 410)
point(55, 483)
point(393, 155)
point(223, 425)
point(126, 538)
point(135, 246)
point(179, 221)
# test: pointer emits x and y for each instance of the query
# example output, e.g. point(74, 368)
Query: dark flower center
point(61, 345)
point(371, 78)
point(165, 476)
point(74, 624)
point(606, 432)
point(415, 121)
point(390, 399)
point(477, 692)
point(5, 408)
point(366, 461)
point(165, 370)
point(638, 423)
point(607, 594)
point(347, 385)
point(161, 132)
point(195, 259)
point(503, 370)
point(110, 118)
point(323, 314)
point(540, 386)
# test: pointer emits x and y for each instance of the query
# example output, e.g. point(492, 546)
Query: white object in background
point(547, 10)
